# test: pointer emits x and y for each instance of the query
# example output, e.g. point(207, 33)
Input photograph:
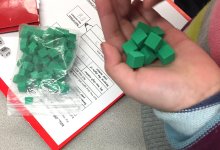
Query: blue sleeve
point(186, 127)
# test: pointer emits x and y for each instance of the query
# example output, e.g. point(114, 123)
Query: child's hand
point(191, 78)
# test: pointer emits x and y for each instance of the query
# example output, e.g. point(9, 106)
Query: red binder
point(16, 12)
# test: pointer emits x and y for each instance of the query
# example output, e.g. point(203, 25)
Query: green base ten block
point(166, 55)
point(135, 59)
point(139, 36)
point(22, 87)
point(153, 41)
point(29, 100)
point(146, 28)
point(157, 30)
point(129, 46)
point(149, 55)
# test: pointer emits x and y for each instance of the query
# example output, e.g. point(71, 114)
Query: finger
point(120, 72)
point(128, 24)
point(135, 16)
point(110, 24)
point(127, 28)
point(148, 14)
point(148, 4)
point(122, 8)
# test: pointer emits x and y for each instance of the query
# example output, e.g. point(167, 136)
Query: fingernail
point(102, 46)
point(103, 50)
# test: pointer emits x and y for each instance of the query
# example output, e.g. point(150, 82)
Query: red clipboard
point(14, 13)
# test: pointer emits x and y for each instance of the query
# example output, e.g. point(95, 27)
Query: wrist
point(209, 102)
point(200, 98)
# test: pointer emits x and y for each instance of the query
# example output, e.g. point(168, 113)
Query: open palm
point(191, 78)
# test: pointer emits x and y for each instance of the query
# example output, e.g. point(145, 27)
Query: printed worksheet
point(96, 90)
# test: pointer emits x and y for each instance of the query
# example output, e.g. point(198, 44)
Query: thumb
point(118, 70)
point(112, 56)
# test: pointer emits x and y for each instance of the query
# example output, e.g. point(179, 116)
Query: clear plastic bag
point(41, 84)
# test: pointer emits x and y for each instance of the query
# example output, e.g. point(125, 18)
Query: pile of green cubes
point(47, 56)
point(147, 45)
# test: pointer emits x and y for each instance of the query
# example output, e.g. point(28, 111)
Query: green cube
point(50, 31)
point(24, 33)
point(157, 30)
point(29, 100)
point(52, 66)
point(129, 46)
point(63, 31)
point(32, 48)
point(35, 75)
point(35, 31)
point(71, 45)
point(153, 41)
point(58, 33)
point(149, 55)
point(45, 61)
point(22, 72)
point(36, 60)
point(18, 78)
point(53, 53)
point(19, 62)
point(139, 36)
point(166, 54)
point(43, 52)
point(68, 57)
point(39, 67)
point(58, 71)
point(22, 87)
point(32, 29)
point(135, 59)
point(63, 87)
point(163, 43)
point(23, 44)
point(48, 35)
point(27, 66)
point(71, 37)
point(50, 44)
point(26, 57)
point(42, 74)
point(146, 28)
point(63, 43)
point(46, 75)
point(38, 32)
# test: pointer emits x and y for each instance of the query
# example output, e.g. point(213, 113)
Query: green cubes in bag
point(47, 56)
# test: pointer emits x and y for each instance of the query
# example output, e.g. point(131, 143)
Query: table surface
point(119, 128)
